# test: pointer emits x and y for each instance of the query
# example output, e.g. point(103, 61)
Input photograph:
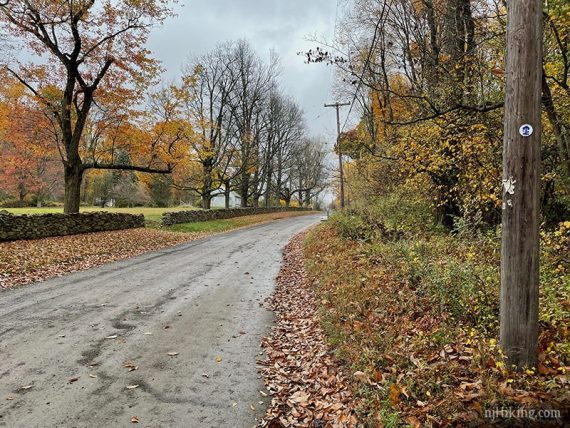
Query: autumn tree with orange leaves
point(29, 163)
point(88, 62)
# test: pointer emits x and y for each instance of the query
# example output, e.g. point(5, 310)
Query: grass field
point(223, 225)
point(152, 214)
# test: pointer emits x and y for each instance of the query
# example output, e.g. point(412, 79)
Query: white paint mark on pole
point(508, 189)
point(509, 185)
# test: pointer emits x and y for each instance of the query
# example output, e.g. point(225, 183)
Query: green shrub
point(352, 226)
point(404, 211)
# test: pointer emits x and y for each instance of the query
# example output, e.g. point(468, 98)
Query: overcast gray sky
point(281, 25)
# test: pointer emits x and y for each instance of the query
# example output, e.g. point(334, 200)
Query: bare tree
point(254, 83)
point(209, 87)
point(308, 173)
point(289, 130)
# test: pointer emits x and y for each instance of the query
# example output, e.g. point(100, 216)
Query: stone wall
point(14, 227)
point(177, 217)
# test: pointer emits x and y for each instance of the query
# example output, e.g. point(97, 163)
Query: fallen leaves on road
point(23, 262)
point(307, 385)
point(130, 366)
point(135, 420)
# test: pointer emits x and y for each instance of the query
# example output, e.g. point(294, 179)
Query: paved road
point(202, 300)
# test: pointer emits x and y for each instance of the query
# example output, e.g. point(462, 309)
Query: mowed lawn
point(224, 225)
point(153, 214)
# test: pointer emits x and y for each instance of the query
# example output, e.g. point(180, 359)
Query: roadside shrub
point(404, 211)
point(351, 226)
point(454, 279)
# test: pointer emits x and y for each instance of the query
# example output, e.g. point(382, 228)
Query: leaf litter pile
point(425, 356)
point(23, 262)
point(307, 386)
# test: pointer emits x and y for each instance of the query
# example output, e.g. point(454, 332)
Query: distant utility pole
point(521, 173)
point(338, 106)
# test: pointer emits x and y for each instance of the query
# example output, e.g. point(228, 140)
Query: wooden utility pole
point(338, 106)
point(521, 173)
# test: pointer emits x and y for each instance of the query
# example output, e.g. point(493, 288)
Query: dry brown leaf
point(394, 395)
point(413, 421)
point(130, 366)
point(300, 397)
point(361, 377)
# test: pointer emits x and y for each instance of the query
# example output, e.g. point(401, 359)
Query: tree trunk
point(73, 176)
point(207, 187)
point(227, 191)
point(206, 201)
point(521, 174)
point(269, 188)
point(21, 196)
point(244, 188)
point(558, 126)
point(277, 189)
point(450, 211)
